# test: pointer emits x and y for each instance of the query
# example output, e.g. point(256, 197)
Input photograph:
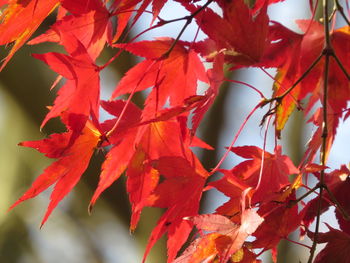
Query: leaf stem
point(115, 126)
point(248, 85)
point(297, 243)
point(234, 140)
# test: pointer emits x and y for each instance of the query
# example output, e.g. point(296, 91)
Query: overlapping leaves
point(151, 145)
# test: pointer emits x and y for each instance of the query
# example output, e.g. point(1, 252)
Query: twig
point(275, 80)
point(341, 11)
point(188, 22)
point(296, 201)
point(324, 135)
point(279, 98)
point(340, 64)
point(162, 22)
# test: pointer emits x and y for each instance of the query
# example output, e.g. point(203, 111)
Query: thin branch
point(312, 190)
point(279, 83)
point(279, 98)
point(341, 11)
point(188, 22)
point(162, 22)
point(340, 64)
point(324, 135)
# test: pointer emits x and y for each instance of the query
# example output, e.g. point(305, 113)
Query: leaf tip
point(90, 208)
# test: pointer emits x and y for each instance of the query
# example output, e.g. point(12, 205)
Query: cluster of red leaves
point(152, 146)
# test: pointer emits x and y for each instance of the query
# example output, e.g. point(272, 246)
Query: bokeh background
point(71, 235)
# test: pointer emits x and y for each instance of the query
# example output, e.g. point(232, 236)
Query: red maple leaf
point(239, 34)
point(336, 249)
point(156, 157)
point(67, 170)
point(280, 219)
point(293, 54)
point(232, 187)
point(186, 182)
point(272, 172)
point(118, 158)
point(338, 182)
point(89, 24)
point(181, 69)
point(79, 96)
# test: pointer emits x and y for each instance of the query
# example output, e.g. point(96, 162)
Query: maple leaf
point(20, 20)
point(187, 182)
point(246, 174)
point(279, 221)
point(122, 10)
point(288, 52)
point(336, 249)
point(238, 34)
point(283, 52)
point(181, 69)
point(274, 173)
point(216, 77)
point(118, 158)
point(79, 96)
point(200, 250)
point(149, 152)
point(135, 144)
point(103, 15)
point(227, 237)
point(338, 182)
point(89, 22)
point(67, 170)
point(232, 187)
point(293, 54)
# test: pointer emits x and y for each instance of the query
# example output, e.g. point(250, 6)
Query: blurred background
point(71, 235)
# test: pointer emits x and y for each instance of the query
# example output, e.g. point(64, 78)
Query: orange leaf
point(20, 20)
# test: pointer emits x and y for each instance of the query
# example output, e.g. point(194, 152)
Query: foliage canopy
point(152, 145)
